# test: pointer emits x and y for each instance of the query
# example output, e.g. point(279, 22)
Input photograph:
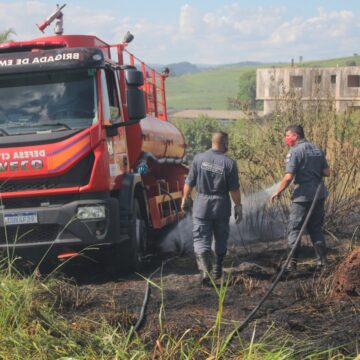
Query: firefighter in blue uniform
point(305, 164)
point(214, 175)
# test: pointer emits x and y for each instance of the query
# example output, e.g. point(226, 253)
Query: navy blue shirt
point(214, 175)
point(307, 162)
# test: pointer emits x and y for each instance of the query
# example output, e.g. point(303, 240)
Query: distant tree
point(350, 63)
point(247, 87)
point(197, 133)
point(246, 97)
point(6, 35)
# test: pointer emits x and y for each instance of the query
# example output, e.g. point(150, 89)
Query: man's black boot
point(292, 265)
point(218, 267)
point(320, 251)
point(204, 265)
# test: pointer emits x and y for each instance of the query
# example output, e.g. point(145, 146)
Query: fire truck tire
point(134, 249)
point(127, 257)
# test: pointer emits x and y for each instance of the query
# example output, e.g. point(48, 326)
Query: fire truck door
point(118, 159)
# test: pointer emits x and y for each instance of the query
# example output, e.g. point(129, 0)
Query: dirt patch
point(347, 277)
point(300, 307)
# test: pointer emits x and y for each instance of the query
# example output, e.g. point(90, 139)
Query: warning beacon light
point(56, 15)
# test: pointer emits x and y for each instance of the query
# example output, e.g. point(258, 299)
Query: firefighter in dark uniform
point(305, 164)
point(214, 175)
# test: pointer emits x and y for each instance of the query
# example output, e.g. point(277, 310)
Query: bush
point(246, 97)
point(260, 150)
point(197, 133)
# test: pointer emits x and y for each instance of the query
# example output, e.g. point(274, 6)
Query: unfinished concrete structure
point(341, 84)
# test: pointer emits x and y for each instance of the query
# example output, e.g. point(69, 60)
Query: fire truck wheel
point(136, 246)
point(127, 257)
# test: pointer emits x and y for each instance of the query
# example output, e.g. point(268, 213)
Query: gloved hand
point(143, 168)
point(186, 204)
point(238, 213)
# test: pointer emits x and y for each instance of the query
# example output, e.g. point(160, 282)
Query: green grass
point(204, 90)
point(32, 327)
point(210, 89)
point(333, 62)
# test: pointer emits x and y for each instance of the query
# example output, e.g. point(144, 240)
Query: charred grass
point(58, 317)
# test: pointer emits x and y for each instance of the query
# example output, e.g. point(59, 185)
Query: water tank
point(161, 138)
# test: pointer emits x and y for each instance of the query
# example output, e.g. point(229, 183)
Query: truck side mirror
point(134, 77)
point(134, 96)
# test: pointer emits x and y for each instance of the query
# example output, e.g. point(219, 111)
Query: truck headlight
point(89, 212)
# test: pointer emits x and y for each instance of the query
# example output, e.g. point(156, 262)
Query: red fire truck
point(88, 159)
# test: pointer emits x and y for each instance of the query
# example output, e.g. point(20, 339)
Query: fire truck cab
point(88, 160)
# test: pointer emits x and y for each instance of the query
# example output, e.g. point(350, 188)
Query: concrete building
point(341, 84)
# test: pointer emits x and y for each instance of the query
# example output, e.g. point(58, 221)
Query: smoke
point(261, 222)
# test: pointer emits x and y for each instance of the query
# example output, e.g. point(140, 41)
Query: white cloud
point(324, 25)
point(36, 7)
point(186, 20)
point(228, 33)
point(240, 22)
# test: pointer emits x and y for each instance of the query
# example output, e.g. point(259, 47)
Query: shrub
point(197, 133)
point(260, 150)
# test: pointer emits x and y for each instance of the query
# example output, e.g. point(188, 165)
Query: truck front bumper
point(60, 225)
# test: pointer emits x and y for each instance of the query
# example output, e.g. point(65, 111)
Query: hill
point(180, 68)
point(344, 61)
point(210, 88)
point(185, 67)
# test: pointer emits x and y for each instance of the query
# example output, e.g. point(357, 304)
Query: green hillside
point(204, 90)
point(210, 89)
point(345, 61)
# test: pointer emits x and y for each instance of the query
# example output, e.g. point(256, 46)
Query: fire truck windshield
point(50, 101)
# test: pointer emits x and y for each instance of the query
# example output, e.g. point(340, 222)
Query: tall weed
point(260, 150)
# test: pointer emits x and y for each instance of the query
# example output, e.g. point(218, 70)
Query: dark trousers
point(298, 213)
point(203, 232)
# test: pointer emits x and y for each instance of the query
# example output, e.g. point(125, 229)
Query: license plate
point(20, 218)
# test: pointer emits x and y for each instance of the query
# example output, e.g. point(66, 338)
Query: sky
point(203, 31)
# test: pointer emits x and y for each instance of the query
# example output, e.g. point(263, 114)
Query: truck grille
point(78, 175)
point(24, 234)
point(13, 186)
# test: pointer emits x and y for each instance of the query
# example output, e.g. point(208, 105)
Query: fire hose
point(139, 322)
point(141, 318)
point(273, 285)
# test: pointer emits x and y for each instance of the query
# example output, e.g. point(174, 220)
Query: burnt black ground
point(301, 306)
